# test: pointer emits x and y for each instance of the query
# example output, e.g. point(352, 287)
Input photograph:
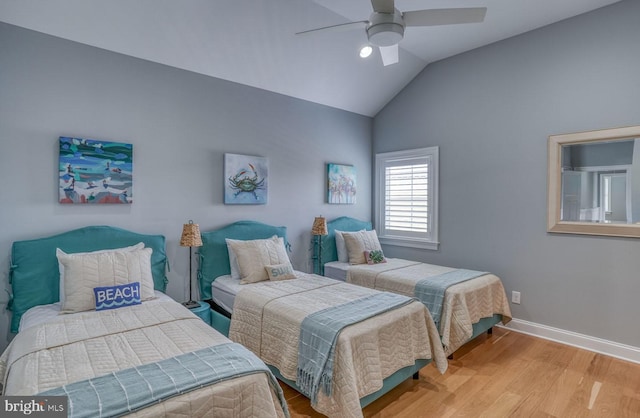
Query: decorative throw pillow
point(282, 271)
point(83, 272)
point(113, 297)
point(341, 247)
point(358, 242)
point(138, 246)
point(254, 255)
point(374, 257)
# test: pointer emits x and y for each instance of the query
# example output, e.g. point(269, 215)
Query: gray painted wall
point(490, 111)
point(181, 124)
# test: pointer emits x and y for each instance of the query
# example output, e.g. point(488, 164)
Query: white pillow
point(359, 242)
point(138, 246)
point(233, 260)
point(84, 272)
point(254, 255)
point(343, 256)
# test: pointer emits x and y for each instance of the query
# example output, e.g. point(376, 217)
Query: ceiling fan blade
point(337, 28)
point(383, 6)
point(389, 54)
point(435, 17)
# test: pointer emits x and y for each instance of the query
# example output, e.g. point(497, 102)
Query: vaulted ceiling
point(254, 42)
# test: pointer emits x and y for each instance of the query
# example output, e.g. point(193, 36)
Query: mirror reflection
point(600, 182)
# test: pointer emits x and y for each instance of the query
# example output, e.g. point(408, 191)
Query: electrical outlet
point(515, 297)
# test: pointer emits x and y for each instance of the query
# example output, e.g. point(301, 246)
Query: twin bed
point(468, 308)
point(152, 358)
point(371, 356)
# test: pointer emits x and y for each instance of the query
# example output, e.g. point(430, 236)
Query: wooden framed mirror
point(594, 182)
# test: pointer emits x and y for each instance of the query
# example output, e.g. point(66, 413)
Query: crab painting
point(246, 181)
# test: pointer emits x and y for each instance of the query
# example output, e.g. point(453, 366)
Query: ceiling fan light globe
point(385, 34)
point(366, 51)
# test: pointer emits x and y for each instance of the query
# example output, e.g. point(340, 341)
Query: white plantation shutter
point(407, 197)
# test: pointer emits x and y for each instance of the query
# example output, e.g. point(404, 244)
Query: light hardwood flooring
point(509, 374)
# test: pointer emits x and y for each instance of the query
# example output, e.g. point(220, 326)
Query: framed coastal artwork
point(246, 179)
point(94, 172)
point(341, 189)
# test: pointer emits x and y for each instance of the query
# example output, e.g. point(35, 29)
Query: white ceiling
point(253, 42)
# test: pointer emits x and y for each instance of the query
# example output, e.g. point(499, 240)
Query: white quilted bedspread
point(267, 317)
point(81, 346)
point(464, 303)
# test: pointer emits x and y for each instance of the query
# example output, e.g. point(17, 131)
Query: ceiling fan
point(385, 27)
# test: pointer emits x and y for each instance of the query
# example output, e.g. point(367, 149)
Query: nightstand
point(203, 311)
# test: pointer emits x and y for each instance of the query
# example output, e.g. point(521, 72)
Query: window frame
point(397, 238)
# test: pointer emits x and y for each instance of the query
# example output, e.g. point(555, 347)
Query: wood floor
point(509, 374)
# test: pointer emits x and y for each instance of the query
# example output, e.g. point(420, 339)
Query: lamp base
point(191, 304)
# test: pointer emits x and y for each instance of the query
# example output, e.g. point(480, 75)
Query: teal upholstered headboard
point(344, 223)
point(35, 277)
point(214, 256)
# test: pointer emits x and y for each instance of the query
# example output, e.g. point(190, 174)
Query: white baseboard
point(609, 348)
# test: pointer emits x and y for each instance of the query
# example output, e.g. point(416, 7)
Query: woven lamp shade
point(319, 226)
point(190, 235)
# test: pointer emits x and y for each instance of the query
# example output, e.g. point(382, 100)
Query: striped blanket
point(319, 333)
point(430, 291)
point(129, 390)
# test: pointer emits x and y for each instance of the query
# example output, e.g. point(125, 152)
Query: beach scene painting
point(341, 184)
point(94, 171)
point(246, 179)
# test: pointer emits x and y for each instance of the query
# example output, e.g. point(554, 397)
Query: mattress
point(336, 270)
point(43, 313)
point(224, 290)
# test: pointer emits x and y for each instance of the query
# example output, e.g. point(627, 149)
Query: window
point(407, 198)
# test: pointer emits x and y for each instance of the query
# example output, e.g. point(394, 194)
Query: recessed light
point(366, 51)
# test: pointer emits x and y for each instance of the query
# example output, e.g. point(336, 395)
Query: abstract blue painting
point(94, 171)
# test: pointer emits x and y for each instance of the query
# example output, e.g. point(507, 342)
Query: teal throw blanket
point(430, 291)
point(129, 390)
point(319, 333)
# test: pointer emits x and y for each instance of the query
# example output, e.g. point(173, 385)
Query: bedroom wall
point(180, 124)
point(490, 111)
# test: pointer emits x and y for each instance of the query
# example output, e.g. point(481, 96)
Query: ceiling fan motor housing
point(385, 29)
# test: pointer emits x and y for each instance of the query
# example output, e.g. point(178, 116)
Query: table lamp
point(190, 238)
point(319, 229)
